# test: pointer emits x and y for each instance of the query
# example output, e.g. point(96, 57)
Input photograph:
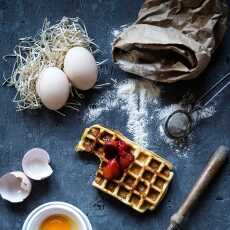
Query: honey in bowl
point(58, 222)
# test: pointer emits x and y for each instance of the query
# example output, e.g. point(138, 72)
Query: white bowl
point(38, 215)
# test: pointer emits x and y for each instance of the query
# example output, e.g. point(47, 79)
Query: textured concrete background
point(73, 175)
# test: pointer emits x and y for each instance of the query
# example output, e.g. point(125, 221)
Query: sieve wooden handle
point(213, 167)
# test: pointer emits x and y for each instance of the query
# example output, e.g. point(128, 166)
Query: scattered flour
point(182, 149)
point(185, 147)
point(206, 112)
point(115, 32)
point(166, 111)
point(133, 97)
point(106, 102)
point(139, 100)
point(137, 96)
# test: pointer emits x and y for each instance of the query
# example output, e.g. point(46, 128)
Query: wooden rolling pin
point(214, 165)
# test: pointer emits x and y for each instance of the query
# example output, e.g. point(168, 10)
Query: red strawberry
point(122, 153)
point(110, 149)
point(122, 147)
point(111, 170)
point(126, 160)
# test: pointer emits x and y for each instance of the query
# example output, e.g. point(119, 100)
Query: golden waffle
point(143, 185)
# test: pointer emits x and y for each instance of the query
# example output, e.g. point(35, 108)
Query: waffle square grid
point(143, 185)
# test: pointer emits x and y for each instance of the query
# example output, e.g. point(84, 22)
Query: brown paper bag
point(171, 40)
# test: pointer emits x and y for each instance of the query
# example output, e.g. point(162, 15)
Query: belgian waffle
point(143, 185)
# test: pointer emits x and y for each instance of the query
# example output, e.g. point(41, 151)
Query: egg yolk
point(56, 222)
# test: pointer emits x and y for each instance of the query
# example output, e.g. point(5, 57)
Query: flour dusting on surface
point(181, 147)
point(115, 32)
point(139, 100)
point(206, 112)
point(134, 98)
point(137, 96)
point(163, 113)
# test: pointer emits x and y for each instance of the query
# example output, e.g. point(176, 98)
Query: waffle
point(143, 185)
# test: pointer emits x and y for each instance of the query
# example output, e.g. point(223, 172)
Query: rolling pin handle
point(213, 167)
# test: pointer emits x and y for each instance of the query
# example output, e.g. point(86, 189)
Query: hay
point(48, 48)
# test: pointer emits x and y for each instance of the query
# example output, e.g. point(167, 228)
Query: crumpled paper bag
point(171, 40)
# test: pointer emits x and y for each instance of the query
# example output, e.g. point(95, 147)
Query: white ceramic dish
point(38, 215)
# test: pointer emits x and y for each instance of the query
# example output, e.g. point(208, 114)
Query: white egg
point(35, 164)
point(53, 88)
point(15, 187)
point(81, 68)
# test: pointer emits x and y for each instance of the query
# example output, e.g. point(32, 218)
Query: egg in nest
point(81, 68)
point(53, 88)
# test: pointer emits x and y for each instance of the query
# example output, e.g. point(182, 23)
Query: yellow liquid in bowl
point(58, 222)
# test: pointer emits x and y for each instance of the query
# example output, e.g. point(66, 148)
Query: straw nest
point(47, 48)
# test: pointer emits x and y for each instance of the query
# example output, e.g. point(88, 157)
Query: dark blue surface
point(73, 175)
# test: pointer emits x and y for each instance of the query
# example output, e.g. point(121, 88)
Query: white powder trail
point(115, 32)
point(139, 101)
point(204, 113)
point(180, 148)
point(167, 110)
point(134, 96)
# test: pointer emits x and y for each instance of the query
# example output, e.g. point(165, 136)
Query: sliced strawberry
point(122, 146)
point(111, 170)
point(111, 149)
point(126, 160)
point(122, 153)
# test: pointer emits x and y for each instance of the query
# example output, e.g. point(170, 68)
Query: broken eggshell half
point(15, 187)
point(35, 164)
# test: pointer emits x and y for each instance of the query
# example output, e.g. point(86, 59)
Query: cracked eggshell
point(15, 187)
point(35, 164)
